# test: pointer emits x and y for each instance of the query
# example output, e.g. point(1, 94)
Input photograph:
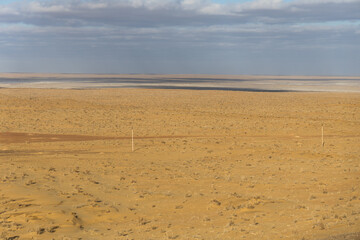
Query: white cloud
point(215, 9)
point(323, 1)
point(95, 5)
point(260, 4)
point(193, 4)
point(37, 7)
point(4, 10)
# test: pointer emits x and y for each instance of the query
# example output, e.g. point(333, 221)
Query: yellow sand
point(206, 165)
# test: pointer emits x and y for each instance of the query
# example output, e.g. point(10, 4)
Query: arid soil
point(205, 165)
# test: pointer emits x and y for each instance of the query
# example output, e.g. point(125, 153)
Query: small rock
point(40, 231)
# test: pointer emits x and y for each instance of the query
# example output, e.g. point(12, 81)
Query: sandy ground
point(206, 165)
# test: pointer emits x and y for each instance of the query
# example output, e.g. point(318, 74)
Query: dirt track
point(12, 137)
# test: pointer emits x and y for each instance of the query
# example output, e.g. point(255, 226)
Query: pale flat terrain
point(183, 81)
point(206, 165)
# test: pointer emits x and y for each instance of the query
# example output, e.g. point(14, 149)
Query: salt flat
point(254, 83)
point(206, 164)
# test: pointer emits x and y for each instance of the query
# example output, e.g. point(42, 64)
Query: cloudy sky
point(306, 37)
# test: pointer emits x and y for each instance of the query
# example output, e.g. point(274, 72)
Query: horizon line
point(215, 74)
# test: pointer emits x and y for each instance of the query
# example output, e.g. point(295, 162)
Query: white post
point(132, 139)
point(322, 135)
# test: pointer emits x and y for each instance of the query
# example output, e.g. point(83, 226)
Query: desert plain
point(205, 164)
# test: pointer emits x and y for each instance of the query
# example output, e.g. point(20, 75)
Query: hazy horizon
point(248, 83)
point(174, 74)
point(252, 37)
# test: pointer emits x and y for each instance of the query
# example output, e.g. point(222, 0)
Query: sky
point(274, 37)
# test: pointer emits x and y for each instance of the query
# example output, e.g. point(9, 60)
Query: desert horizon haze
point(249, 83)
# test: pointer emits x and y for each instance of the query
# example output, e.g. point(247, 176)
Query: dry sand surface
point(206, 164)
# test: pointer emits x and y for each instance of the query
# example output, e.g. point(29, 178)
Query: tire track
point(16, 137)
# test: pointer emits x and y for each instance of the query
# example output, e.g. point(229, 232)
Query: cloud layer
point(181, 36)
